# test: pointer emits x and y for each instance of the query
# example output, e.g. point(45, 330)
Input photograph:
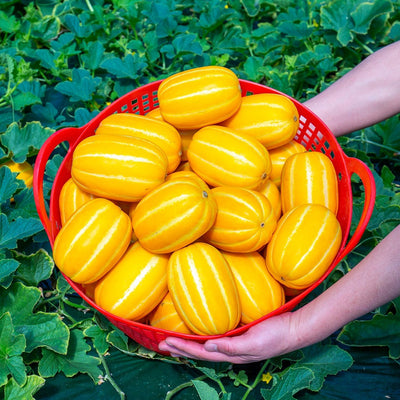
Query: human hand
point(272, 337)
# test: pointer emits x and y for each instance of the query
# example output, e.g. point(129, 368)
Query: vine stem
point(185, 385)
point(365, 140)
point(109, 378)
point(256, 380)
point(89, 4)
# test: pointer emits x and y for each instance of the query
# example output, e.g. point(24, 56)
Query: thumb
point(231, 346)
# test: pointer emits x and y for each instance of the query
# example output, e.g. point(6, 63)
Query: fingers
point(190, 349)
point(219, 350)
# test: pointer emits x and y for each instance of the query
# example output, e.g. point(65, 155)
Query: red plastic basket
point(312, 133)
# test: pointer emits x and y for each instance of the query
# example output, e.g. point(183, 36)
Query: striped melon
point(223, 157)
point(200, 96)
point(259, 292)
point(203, 289)
point(309, 177)
point(23, 170)
point(135, 285)
point(187, 174)
point(158, 132)
point(272, 193)
point(271, 118)
point(166, 317)
point(174, 214)
point(245, 220)
point(303, 245)
point(118, 167)
point(155, 113)
point(92, 241)
point(71, 198)
point(279, 157)
point(186, 134)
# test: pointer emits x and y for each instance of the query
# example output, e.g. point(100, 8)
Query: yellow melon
point(303, 245)
point(155, 113)
point(200, 96)
point(118, 167)
point(309, 177)
point(135, 285)
point(245, 220)
point(71, 198)
point(259, 292)
point(224, 157)
point(156, 131)
point(271, 118)
point(203, 289)
point(174, 214)
point(166, 317)
point(92, 241)
point(187, 174)
point(24, 171)
point(272, 193)
point(279, 156)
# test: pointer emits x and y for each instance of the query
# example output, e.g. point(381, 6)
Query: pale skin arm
point(366, 95)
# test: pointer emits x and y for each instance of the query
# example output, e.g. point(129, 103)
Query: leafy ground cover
point(61, 62)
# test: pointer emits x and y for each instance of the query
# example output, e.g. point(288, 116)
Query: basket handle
point(69, 135)
point(356, 166)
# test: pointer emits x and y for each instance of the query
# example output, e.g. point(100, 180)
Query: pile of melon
point(203, 214)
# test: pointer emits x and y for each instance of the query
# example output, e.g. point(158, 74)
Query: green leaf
point(288, 383)
point(47, 58)
point(252, 68)
point(99, 337)
point(82, 86)
point(252, 7)
point(25, 142)
point(77, 360)
point(187, 43)
point(23, 205)
point(46, 28)
point(239, 378)
point(367, 11)
point(348, 17)
point(324, 360)
point(8, 184)
point(83, 116)
point(129, 67)
point(205, 391)
point(27, 94)
point(21, 228)
point(76, 26)
point(40, 329)
point(13, 391)
point(34, 268)
point(120, 341)
point(381, 330)
point(7, 268)
point(336, 16)
point(11, 347)
point(94, 56)
point(394, 33)
point(8, 23)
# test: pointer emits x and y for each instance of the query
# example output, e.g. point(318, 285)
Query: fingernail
point(211, 347)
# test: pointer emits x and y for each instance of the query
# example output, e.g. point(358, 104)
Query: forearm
point(372, 283)
point(369, 93)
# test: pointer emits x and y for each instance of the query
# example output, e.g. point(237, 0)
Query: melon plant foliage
point(61, 62)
